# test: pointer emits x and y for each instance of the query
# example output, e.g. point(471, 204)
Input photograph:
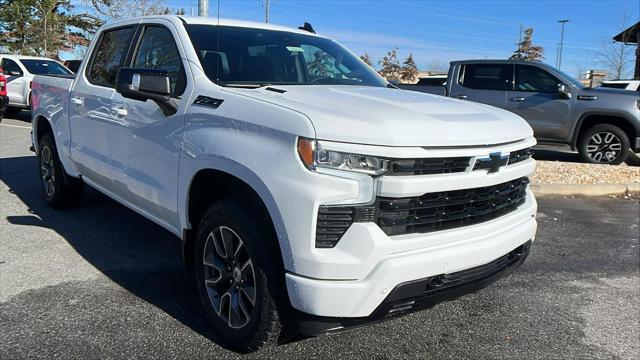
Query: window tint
point(158, 50)
point(531, 78)
point(44, 67)
point(235, 56)
point(9, 66)
point(487, 76)
point(109, 56)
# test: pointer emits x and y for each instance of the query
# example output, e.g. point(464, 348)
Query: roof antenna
point(307, 27)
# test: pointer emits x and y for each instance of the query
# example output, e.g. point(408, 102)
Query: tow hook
point(32, 148)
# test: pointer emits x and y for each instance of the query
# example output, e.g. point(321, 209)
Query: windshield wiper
point(245, 85)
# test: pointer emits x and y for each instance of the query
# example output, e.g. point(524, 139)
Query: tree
point(43, 27)
point(365, 57)
point(390, 66)
point(527, 50)
point(409, 71)
point(109, 10)
point(616, 57)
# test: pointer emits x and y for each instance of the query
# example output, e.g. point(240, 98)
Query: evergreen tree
point(43, 27)
point(527, 50)
point(409, 71)
point(390, 66)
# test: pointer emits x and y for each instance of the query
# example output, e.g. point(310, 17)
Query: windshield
point(236, 56)
point(45, 67)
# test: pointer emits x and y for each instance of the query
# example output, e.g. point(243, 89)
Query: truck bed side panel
point(50, 102)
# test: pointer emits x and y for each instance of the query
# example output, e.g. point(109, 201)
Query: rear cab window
point(8, 66)
point(486, 76)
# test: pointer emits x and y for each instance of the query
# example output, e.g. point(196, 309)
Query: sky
point(437, 32)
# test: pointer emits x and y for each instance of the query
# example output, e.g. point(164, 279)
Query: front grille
point(421, 214)
point(520, 155)
point(428, 166)
point(449, 209)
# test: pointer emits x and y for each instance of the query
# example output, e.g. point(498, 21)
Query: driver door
point(535, 98)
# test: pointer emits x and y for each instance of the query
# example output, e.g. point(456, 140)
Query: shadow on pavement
point(133, 252)
point(24, 116)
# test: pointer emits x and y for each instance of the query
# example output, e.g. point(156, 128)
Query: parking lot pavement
point(101, 281)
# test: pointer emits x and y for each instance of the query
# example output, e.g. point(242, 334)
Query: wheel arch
point(590, 119)
point(209, 184)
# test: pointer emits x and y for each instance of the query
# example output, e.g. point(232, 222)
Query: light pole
point(559, 59)
point(203, 8)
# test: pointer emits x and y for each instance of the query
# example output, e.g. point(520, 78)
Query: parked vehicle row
point(310, 194)
point(19, 71)
point(602, 124)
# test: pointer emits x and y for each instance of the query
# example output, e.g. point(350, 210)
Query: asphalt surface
point(99, 281)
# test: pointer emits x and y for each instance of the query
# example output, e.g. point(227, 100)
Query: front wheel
point(604, 144)
point(239, 281)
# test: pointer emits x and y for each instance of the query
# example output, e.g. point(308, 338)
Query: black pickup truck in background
point(602, 124)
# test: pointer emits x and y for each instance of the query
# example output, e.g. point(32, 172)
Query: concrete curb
point(586, 189)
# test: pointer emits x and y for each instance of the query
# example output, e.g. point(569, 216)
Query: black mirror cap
point(143, 84)
point(146, 84)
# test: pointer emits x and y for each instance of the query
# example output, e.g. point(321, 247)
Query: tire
point(60, 189)
point(244, 296)
point(604, 144)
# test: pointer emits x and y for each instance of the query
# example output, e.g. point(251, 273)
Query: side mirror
point(564, 92)
point(147, 84)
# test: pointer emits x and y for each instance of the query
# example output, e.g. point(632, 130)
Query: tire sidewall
point(47, 141)
point(250, 336)
point(586, 136)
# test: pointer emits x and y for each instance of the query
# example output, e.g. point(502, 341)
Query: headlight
point(313, 157)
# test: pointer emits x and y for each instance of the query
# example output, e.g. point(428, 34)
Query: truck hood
point(600, 91)
point(394, 117)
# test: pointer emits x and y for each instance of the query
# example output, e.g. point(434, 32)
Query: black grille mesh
point(422, 214)
point(427, 166)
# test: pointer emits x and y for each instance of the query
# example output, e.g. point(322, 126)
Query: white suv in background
point(633, 85)
point(19, 71)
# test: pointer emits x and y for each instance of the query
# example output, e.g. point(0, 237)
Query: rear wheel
point(60, 189)
point(604, 144)
point(240, 282)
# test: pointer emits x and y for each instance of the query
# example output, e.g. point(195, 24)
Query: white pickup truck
point(309, 194)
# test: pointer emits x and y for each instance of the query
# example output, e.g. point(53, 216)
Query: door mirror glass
point(146, 84)
point(564, 91)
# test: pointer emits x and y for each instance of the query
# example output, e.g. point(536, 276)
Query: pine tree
point(409, 71)
point(390, 66)
point(43, 27)
point(365, 57)
point(526, 50)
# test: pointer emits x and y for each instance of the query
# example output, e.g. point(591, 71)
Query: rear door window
point(486, 76)
point(109, 56)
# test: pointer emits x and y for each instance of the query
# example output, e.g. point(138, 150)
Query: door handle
point(463, 97)
point(119, 110)
point(517, 98)
point(77, 100)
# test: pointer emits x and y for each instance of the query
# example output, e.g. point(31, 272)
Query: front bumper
point(423, 256)
point(423, 293)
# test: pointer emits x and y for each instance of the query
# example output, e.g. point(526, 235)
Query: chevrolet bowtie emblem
point(493, 162)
